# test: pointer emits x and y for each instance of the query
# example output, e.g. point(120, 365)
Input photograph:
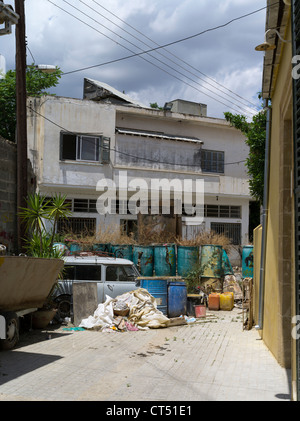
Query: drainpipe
point(259, 326)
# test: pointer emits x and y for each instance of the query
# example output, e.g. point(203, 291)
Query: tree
point(255, 133)
point(36, 84)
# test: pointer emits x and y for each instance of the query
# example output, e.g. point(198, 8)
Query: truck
point(25, 284)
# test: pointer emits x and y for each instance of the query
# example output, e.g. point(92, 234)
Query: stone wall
point(8, 194)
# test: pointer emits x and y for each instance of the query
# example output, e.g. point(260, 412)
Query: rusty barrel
point(165, 260)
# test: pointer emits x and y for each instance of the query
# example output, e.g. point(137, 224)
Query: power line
point(227, 105)
point(125, 153)
point(169, 52)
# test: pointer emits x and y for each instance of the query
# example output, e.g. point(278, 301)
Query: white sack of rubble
point(143, 311)
point(103, 316)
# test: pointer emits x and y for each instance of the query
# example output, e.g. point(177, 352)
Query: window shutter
point(106, 150)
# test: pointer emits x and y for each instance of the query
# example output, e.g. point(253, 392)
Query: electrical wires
point(139, 158)
point(215, 96)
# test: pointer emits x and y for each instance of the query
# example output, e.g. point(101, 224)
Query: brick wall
point(8, 194)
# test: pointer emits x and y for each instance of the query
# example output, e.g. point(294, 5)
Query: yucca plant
point(39, 242)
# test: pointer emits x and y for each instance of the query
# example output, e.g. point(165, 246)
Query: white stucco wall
point(79, 179)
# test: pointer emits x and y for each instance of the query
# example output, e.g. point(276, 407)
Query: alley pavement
point(213, 359)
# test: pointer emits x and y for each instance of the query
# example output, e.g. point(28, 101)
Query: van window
point(83, 272)
point(119, 273)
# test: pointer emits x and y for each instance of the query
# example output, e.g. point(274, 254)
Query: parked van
point(114, 276)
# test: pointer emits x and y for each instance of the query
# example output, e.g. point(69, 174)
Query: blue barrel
point(123, 251)
point(177, 299)
point(102, 247)
point(158, 288)
point(187, 259)
point(211, 261)
point(75, 248)
point(247, 262)
point(165, 260)
point(226, 265)
point(143, 259)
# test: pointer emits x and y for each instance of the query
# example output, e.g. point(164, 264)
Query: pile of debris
point(134, 310)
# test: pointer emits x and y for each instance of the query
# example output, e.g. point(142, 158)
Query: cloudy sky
point(219, 67)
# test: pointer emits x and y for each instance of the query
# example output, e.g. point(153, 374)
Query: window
point(88, 272)
point(212, 161)
point(84, 148)
point(82, 272)
point(232, 231)
point(76, 226)
point(84, 205)
point(216, 211)
point(120, 273)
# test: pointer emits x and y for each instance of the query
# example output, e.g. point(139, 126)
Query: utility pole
point(21, 115)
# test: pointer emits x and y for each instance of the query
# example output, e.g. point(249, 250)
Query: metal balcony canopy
point(158, 135)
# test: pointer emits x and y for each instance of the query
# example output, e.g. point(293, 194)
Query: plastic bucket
point(177, 298)
point(211, 261)
point(247, 262)
point(158, 288)
point(165, 260)
point(187, 258)
point(143, 259)
point(200, 311)
point(123, 251)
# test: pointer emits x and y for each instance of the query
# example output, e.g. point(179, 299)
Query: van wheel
point(12, 331)
point(64, 307)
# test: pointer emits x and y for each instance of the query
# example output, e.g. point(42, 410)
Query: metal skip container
point(143, 259)
point(247, 262)
point(165, 260)
point(187, 258)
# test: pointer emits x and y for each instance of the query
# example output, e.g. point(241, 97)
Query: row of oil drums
point(171, 259)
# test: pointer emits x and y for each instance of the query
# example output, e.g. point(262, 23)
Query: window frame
point(76, 152)
point(207, 164)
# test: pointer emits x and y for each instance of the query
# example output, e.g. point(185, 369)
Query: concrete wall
point(8, 194)
point(79, 179)
point(279, 272)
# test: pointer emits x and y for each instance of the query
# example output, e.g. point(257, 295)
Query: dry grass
point(149, 233)
point(205, 238)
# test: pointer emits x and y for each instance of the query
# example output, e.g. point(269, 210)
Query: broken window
point(90, 148)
